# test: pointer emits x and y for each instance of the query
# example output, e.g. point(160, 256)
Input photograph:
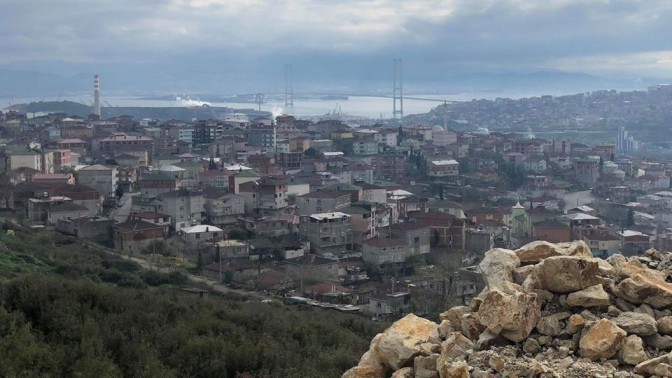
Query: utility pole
point(398, 92)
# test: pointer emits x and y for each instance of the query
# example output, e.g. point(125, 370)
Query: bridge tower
point(289, 88)
point(398, 92)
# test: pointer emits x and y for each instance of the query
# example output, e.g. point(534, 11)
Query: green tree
point(238, 234)
point(630, 221)
point(311, 152)
point(159, 247)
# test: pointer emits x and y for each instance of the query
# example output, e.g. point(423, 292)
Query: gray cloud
point(227, 41)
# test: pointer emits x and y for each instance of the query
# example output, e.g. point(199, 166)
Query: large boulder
point(455, 346)
point(552, 325)
point(593, 296)
point(537, 251)
point(452, 369)
point(637, 323)
point(510, 315)
point(497, 269)
point(602, 340)
point(660, 366)
point(406, 372)
point(656, 341)
point(646, 287)
point(665, 325)
point(564, 274)
point(632, 351)
point(364, 372)
point(575, 323)
point(403, 340)
point(454, 315)
point(425, 366)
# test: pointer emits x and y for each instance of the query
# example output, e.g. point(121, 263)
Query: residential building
point(443, 168)
point(154, 218)
point(313, 266)
point(327, 232)
point(223, 208)
point(416, 235)
point(133, 236)
point(66, 211)
point(27, 159)
point(634, 243)
point(383, 251)
point(551, 231)
point(120, 142)
point(153, 185)
point(260, 135)
point(99, 177)
point(196, 236)
point(54, 178)
point(265, 196)
point(365, 146)
point(388, 304)
point(322, 201)
point(94, 228)
point(185, 207)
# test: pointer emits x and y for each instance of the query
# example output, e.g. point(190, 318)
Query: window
point(416, 240)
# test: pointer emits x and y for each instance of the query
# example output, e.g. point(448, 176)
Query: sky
point(244, 44)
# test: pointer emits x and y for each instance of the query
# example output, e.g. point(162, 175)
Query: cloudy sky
point(245, 43)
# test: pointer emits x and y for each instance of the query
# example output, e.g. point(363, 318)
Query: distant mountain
point(541, 81)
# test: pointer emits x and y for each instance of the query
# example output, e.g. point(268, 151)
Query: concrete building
point(120, 142)
point(94, 228)
point(327, 232)
point(133, 236)
point(265, 196)
point(27, 159)
point(153, 185)
point(196, 236)
point(313, 266)
point(262, 136)
point(223, 208)
point(382, 251)
point(154, 218)
point(66, 211)
point(322, 201)
point(443, 168)
point(185, 207)
point(100, 177)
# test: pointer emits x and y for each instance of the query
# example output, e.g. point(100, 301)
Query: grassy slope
point(70, 311)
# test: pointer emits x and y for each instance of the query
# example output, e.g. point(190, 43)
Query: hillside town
point(385, 218)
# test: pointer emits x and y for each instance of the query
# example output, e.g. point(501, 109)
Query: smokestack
point(96, 95)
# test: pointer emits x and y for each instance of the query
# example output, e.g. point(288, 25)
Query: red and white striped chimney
point(96, 95)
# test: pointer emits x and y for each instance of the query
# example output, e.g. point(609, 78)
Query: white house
point(443, 168)
point(196, 236)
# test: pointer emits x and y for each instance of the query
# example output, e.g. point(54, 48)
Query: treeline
point(93, 316)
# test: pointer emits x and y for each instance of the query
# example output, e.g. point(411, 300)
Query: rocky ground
point(549, 310)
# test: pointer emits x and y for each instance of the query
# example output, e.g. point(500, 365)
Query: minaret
point(96, 95)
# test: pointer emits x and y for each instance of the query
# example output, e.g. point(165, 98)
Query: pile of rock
point(548, 310)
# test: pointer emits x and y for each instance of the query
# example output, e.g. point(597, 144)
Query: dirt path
point(212, 284)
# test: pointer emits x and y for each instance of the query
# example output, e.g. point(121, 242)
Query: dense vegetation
point(69, 311)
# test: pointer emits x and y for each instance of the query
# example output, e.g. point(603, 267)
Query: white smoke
point(530, 133)
point(277, 111)
point(189, 103)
